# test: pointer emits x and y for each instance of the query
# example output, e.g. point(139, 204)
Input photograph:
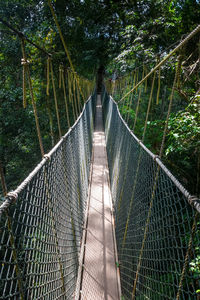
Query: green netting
point(164, 262)
point(41, 231)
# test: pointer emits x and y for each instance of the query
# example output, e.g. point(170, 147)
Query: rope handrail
point(192, 199)
point(161, 240)
point(41, 221)
point(12, 196)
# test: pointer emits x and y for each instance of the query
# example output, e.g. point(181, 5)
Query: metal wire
point(169, 263)
point(42, 221)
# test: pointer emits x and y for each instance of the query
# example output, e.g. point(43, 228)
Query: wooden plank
point(100, 279)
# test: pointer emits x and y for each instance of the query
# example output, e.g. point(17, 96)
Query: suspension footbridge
point(101, 216)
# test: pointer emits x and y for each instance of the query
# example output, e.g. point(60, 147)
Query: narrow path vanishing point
point(100, 279)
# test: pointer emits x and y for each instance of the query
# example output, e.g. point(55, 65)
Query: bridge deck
point(100, 279)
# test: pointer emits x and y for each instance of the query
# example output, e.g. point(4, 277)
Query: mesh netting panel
point(157, 231)
point(41, 232)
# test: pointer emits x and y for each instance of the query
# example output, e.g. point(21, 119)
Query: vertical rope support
point(137, 108)
point(60, 76)
point(137, 76)
point(74, 94)
point(65, 98)
point(158, 90)
point(50, 122)
point(33, 99)
point(138, 102)
point(24, 64)
point(48, 69)
point(77, 94)
point(123, 88)
point(70, 93)
point(55, 100)
point(155, 184)
point(169, 108)
point(149, 106)
point(138, 164)
point(131, 95)
point(145, 85)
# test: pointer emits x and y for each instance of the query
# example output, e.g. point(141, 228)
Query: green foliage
point(183, 143)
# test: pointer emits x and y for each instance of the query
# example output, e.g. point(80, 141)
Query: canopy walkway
point(55, 242)
point(100, 217)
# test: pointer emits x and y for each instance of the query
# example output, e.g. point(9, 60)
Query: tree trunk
point(100, 75)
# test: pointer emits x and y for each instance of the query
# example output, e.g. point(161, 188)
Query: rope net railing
point(42, 221)
point(42, 97)
point(157, 230)
point(159, 100)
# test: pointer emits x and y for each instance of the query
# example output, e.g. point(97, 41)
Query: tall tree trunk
point(100, 76)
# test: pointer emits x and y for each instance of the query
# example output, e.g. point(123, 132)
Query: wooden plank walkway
point(100, 279)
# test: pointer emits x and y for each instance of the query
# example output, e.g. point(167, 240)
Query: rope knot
point(194, 202)
point(155, 157)
point(25, 62)
point(47, 156)
point(11, 197)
